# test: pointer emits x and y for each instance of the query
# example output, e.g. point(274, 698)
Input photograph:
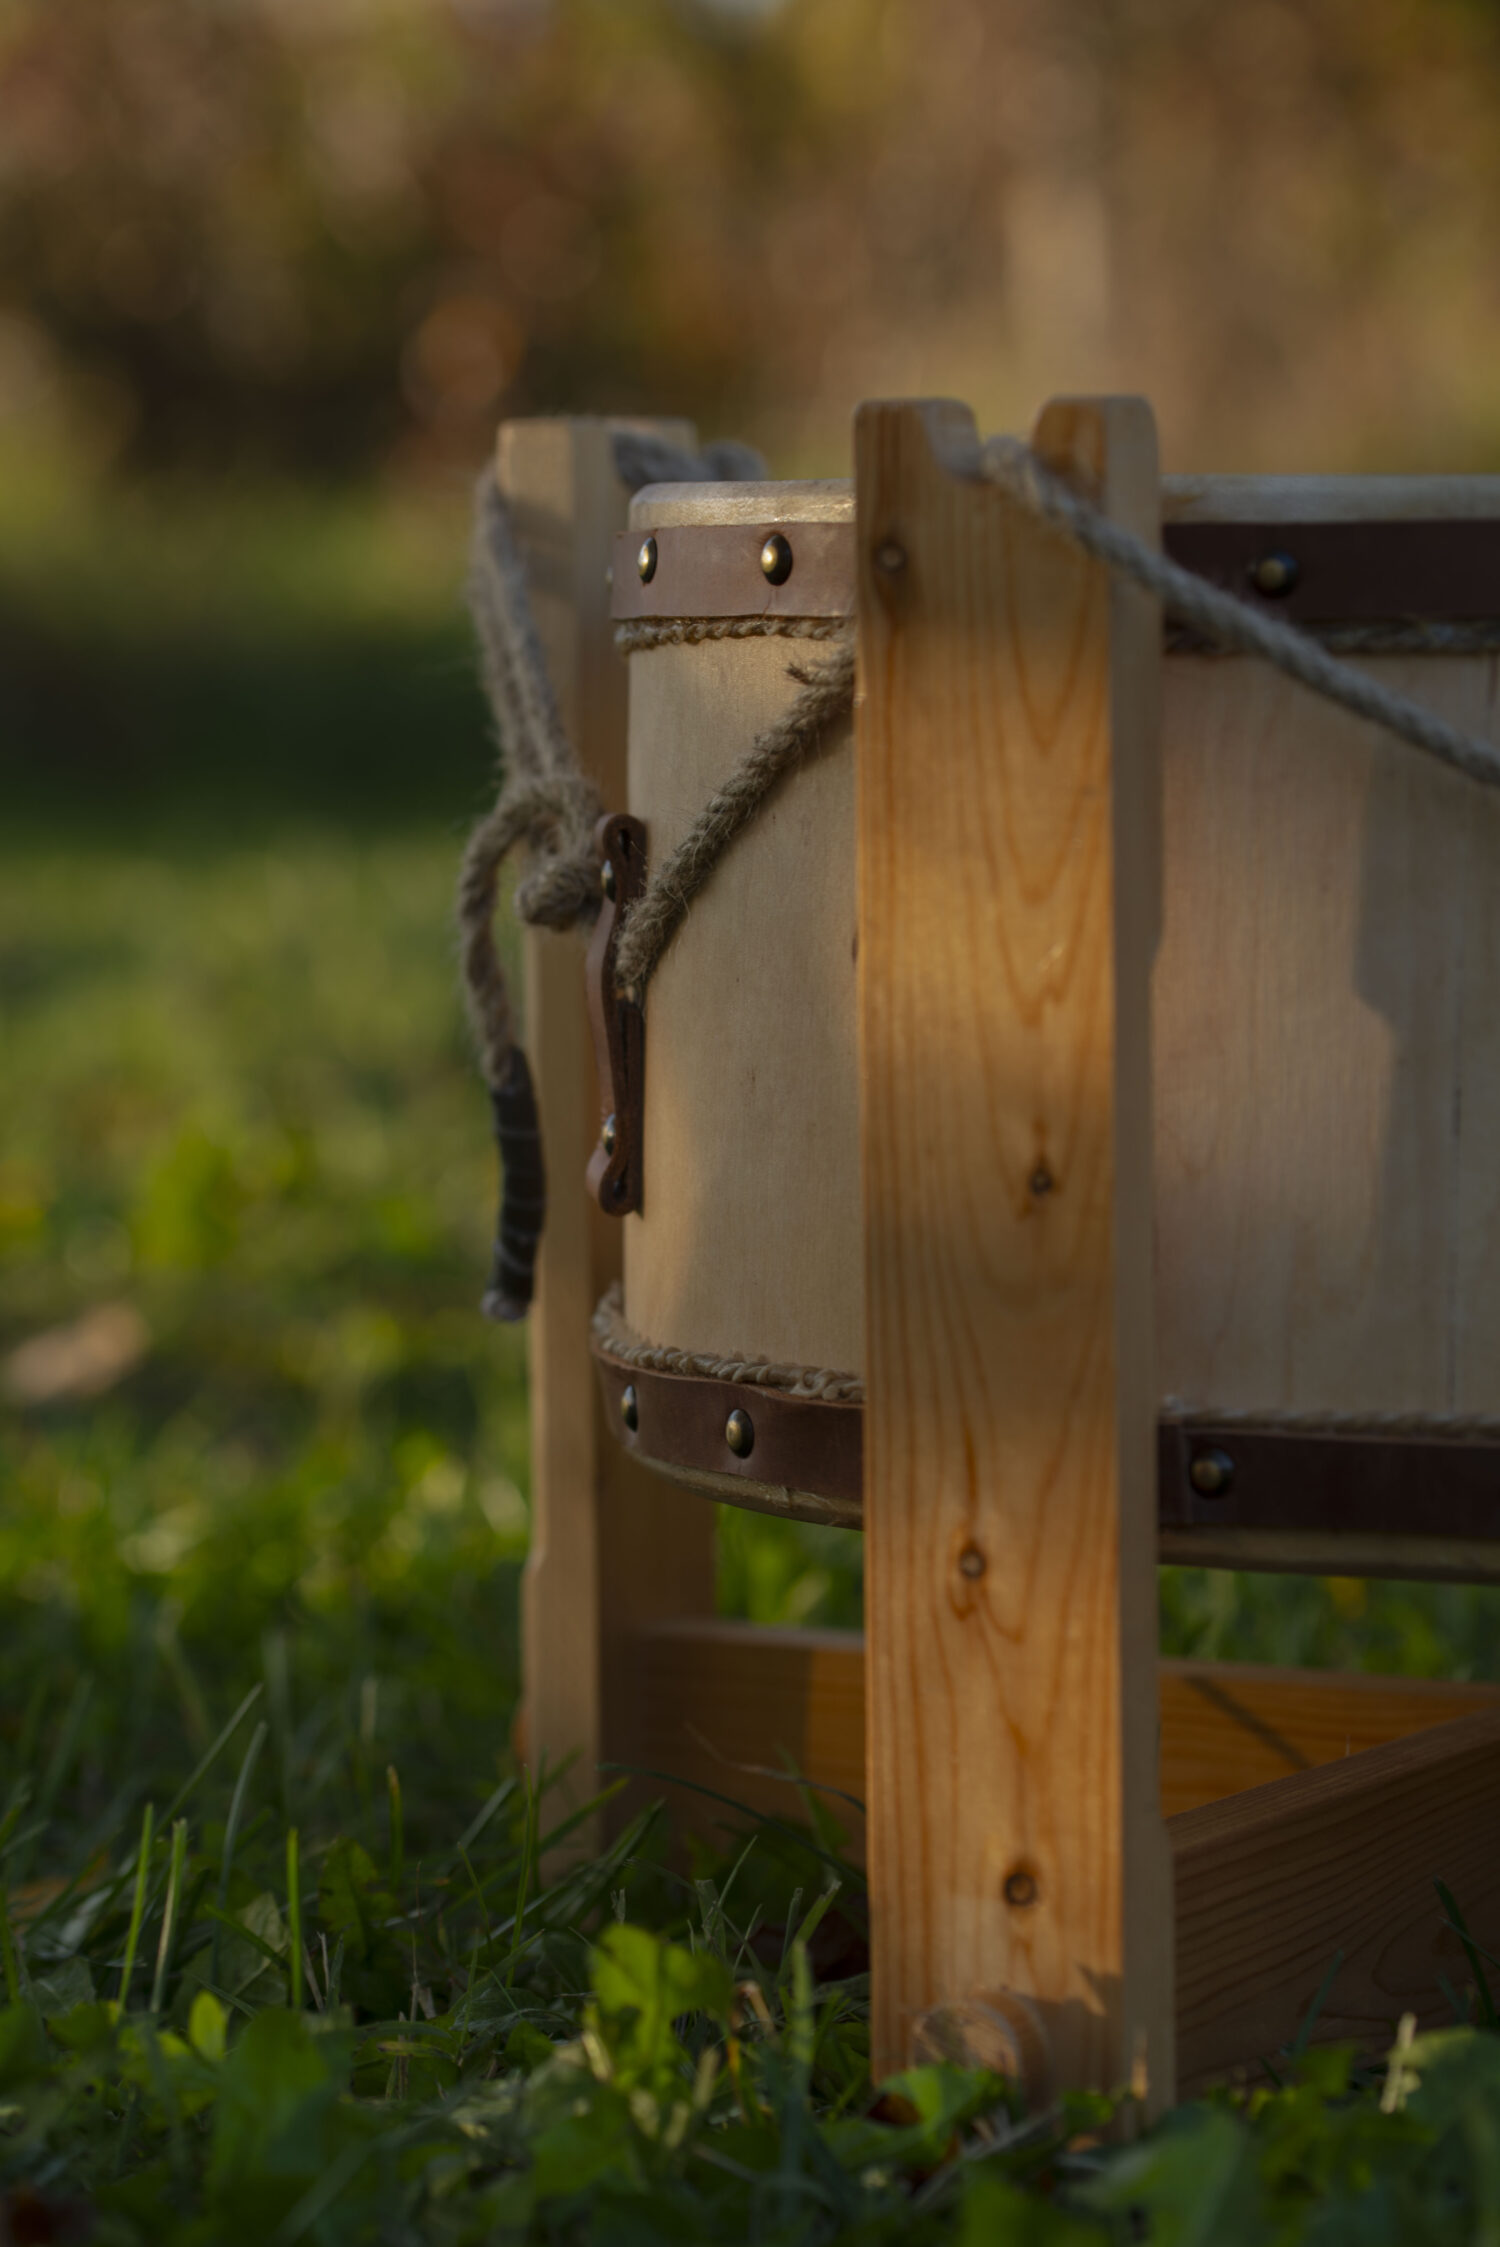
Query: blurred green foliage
point(238, 1101)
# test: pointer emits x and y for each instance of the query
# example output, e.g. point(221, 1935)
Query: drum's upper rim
point(1184, 499)
point(669, 506)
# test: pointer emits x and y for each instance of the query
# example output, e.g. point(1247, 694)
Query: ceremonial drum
point(1325, 1040)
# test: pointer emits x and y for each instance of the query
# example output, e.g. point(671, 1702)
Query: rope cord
point(1225, 619)
point(547, 802)
point(620, 1341)
point(690, 631)
point(1438, 1427)
point(803, 728)
point(617, 1339)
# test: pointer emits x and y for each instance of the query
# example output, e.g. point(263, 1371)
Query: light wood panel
point(1005, 750)
point(612, 1547)
point(1328, 499)
point(733, 1707)
point(1272, 1885)
point(748, 1237)
point(1327, 1100)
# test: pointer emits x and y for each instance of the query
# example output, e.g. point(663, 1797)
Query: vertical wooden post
point(613, 1548)
point(1008, 905)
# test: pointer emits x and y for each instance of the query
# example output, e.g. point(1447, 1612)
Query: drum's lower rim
point(799, 1456)
point(1231, 1492)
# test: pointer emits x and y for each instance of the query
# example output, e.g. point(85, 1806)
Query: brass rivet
point(1212, 1474)
point(645, 560)
point(776, 559)
point(1041, 1181)
point(1274, 574)
point(971, 1562)
point(890, 556)
point(609, 1137)
point(1021, 1889)
point(630, 1409)
point(607, 880)
point(739, 1433)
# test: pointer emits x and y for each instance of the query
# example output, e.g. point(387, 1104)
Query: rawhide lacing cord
point(1436, 1427)
point(547, 802)
point(827, 695)
point(1229, 623)
point(621, 1342)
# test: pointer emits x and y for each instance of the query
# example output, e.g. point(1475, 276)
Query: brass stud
point(890, 556)
point(607, 881)
point(1275, 575)
point(739, 1433)
point(776, 559)
point(630, 1408)
point(1212, 1474)
point(645, 560)
point(1021, 1890)
point(609, 1137)
point(972, 1563)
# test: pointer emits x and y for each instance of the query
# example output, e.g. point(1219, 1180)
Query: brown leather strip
point(800, 1443)
point(1327, 1485)
point(1368, 1486)
point(714, 570)
point(1345, 573)
point(1353, 573)
point(618, 1025)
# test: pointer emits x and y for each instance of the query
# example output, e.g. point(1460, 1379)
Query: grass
point(288, 1950)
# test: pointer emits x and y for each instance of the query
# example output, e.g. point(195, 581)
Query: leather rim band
point(807, 1460)
point(1343, 573)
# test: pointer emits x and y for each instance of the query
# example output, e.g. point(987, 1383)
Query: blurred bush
point(331, 235)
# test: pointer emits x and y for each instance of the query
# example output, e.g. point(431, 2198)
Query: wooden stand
point(614, 1549)
point(1008, 1722)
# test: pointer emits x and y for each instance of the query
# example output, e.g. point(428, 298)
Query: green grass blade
point(169, 1914)
point(1471, 1952)
point(231, 1836)
point(398, 1839)
point(210, 1755)
point(294, 1919)
point(138, 1905)
point(8, 1953)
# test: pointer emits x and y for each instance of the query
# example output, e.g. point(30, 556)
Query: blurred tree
point(331, 234)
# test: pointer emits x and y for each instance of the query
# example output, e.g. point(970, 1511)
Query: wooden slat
point(613, 1547)
point(1006, 832)
point(1273, 1885)
point(1226, 1726)
point(725, 1703)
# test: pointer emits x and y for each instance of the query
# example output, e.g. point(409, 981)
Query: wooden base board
point(730, 1706)
point(1309, 1813)
point(1328, 1877)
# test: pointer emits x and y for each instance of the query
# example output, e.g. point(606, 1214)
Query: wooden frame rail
point(1309, 1813)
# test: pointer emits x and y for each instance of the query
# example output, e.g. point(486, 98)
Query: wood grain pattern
point(727, 1703)
point(1005, 751)
point(612, 1546)
point(1272, 1885)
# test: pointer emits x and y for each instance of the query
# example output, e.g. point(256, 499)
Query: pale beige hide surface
point(1326, 1041)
